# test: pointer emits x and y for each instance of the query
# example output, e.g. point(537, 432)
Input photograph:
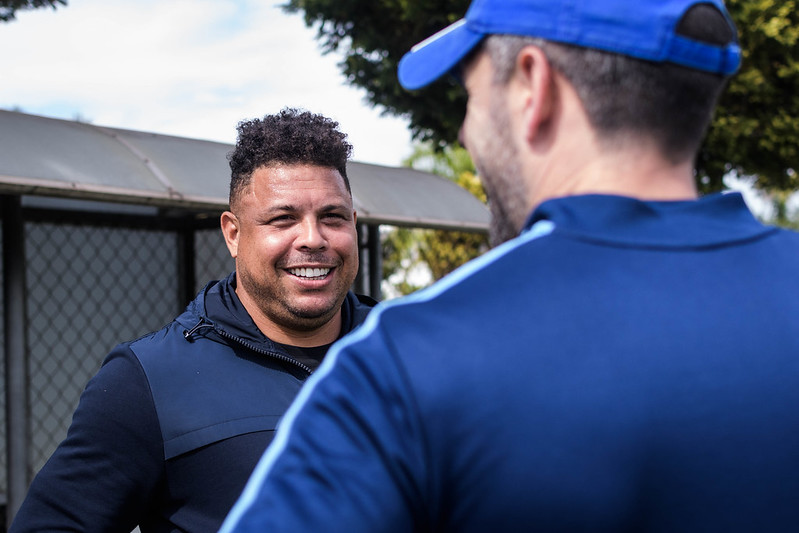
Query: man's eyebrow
point(287, 208)
point(280, 208)
point(335, 207)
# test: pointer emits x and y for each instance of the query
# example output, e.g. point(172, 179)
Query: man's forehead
point(292, 186)
point(297, 176)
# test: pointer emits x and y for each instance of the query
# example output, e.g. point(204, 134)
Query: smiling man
point(168, 431)
point(291, 229)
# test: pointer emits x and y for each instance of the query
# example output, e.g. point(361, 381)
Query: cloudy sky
point(192, 68)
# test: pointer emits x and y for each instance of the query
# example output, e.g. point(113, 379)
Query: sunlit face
point(292, 234)
point(486, 134)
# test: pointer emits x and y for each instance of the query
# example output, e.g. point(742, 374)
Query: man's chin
point(308, 318)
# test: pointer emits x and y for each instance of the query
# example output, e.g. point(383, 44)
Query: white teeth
point(310, 272)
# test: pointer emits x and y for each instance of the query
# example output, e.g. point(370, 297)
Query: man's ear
point(537, 77)
point(230, 230)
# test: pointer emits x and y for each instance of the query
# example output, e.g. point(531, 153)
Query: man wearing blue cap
point(628, 359)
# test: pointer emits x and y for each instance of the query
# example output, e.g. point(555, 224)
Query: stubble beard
point(500, 173)
point(277, 306)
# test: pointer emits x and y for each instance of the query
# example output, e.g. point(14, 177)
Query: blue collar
point(712, 220)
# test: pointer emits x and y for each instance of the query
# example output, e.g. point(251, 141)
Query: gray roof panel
point(53, 157)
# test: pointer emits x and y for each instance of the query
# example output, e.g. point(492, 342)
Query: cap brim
point(437, 55)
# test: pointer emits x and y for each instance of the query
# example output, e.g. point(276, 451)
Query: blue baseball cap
point(645, 29)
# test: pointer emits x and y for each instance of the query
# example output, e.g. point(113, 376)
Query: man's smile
point(309, 273)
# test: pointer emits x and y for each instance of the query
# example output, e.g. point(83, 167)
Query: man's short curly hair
point(289, 137)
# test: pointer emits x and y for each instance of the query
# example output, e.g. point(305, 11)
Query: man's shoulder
point(176, 333)
point(157, 340)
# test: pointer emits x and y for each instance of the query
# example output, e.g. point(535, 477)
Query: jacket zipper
point(280, 357)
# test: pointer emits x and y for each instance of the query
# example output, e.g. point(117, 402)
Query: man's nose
point(311, 236)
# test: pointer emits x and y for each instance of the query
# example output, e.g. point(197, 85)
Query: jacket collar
point(220, 308)
point(712, 220)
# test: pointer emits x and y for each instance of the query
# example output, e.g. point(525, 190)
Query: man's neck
point(569, 158)
point(638, 172)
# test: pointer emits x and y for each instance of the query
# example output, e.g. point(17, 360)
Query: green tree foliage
point(439, 251)
point(401, 261)
point(784, 213)
point(755, 131)
point(9, 8)
point(756, 127)
point(373, 35)
point(444, 251)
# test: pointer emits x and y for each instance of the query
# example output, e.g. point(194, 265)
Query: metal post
point(186, 271)
point(362, 278)
point(375, 262)
point(17, 419)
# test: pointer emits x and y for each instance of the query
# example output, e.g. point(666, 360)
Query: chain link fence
point(90, 286)
point(213, 260)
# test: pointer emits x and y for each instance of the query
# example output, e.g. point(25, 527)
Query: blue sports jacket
point(621, 366)
point(168, 431)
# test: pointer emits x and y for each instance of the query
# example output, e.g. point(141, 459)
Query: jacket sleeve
point(348, 456)
point(102, 475)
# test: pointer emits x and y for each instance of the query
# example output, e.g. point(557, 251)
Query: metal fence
point(90, 284)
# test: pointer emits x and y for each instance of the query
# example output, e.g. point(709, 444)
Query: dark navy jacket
point(167, 433)
point(621, 366)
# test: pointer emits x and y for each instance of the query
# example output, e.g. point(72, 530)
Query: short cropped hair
point(625, 97)
point(289, 137)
